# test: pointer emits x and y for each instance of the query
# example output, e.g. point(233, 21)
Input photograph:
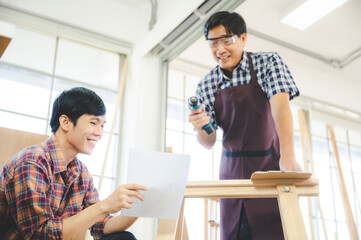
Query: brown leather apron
point(250, 143)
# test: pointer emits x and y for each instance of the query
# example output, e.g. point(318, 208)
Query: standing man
point(46, 192)
point(247, 95)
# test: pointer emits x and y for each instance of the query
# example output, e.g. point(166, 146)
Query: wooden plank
point(307, 152)
point(346, 202)
point(206, 218)
point(12, 141)
point(245, 192)
point(251, 183)
point(303, 135)
point(179, 234)
point(185, 231)
point(291, 212)
point(266, 187)
point(211, 224)
point(294, 227)
point(227, 192)
point(280, 175)
point(4, 43)
point(167, 227)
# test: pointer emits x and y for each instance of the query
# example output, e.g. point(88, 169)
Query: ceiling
point(334, 40)
point(134, 3)
point(327, 54)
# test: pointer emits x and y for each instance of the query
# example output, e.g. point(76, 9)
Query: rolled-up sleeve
point(91, 197)
point(279, 77)
point(97, 230)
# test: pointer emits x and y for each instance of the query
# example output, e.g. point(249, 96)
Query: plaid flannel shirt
point(38, 190)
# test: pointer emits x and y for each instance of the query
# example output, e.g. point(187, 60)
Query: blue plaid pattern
point(272, 74)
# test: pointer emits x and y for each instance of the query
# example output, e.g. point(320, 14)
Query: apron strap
point(253, 74)
point(218, 82)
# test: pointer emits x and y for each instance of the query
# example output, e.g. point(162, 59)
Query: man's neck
point(68, 153)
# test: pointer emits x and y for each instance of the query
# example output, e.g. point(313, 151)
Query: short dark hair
point(232, 22)
point(74, 103)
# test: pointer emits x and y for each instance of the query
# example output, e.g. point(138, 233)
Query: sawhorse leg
point(292, 220)
point(173, 229)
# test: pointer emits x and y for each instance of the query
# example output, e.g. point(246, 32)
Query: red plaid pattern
point(38, 190)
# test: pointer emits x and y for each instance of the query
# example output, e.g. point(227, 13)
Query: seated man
point(46, 192)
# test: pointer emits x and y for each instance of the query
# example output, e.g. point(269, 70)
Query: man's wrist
point(103, 208)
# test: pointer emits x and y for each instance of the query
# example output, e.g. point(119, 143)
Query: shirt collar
point(57, 157)
point(243, 65)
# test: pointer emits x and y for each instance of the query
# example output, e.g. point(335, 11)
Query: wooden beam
point(285, 190)
point(307, 153)
point(294, 227)
point(168, 228)
point(245, 192)
point(251, 183)
point(180, 224)
point(13, 141)
point(305, 150)
point(346, 202)
point(206, 218)
point(4, 43)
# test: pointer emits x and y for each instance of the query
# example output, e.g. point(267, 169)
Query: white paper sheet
point(165, 175)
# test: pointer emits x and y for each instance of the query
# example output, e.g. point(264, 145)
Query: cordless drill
point(193, 104)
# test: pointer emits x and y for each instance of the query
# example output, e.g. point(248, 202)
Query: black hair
point(232, 22)
point(74, 103)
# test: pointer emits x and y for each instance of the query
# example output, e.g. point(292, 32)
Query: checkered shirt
point(38, 190)
point(272, 74)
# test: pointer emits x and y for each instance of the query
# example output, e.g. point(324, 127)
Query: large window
point(36, 68)
point(205, 163)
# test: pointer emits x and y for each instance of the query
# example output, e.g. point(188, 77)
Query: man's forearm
point(282, 116)
point(118, 224)
point(284, 126)
point(75, 226)
point(206, 140)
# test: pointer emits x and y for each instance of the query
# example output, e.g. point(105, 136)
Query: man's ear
point(244, 39)
point(65, 123)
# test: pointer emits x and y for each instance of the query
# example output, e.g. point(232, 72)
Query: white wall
point(326, 84)
point(108, 18)
point(144, 89)
point(113, 18)
point(316, 79)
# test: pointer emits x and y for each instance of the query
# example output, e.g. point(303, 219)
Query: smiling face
point(228, 56)
point(83, 137)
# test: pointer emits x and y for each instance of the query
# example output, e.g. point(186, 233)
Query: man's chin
point(87, 152)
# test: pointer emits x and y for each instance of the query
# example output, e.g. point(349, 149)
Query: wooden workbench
point(285, 186)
